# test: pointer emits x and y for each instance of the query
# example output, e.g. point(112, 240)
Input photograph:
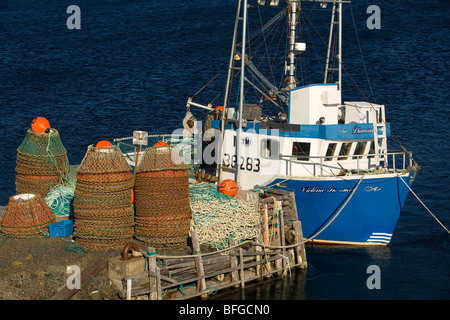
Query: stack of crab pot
point(42, 162)
point(102, 204)
point(163, 213)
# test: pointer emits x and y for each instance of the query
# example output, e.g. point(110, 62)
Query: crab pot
point(27, 215)
point(42, 163)
point(102, 203)
point(163, 211)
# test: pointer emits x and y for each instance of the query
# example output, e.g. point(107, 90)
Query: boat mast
point(227, 89)
point(330, 45)
point(340, 48)
point(294, 6)
point(241, 93)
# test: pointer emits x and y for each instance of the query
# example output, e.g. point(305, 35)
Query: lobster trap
point(163, 212)
point(42, 163)
point(102, 203)
point(27, 215)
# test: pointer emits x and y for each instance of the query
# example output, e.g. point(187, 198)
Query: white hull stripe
point(380, 237)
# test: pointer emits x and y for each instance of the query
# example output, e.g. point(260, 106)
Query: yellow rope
point(337, 214)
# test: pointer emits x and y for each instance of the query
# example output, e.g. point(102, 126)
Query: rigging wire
point(442, 225)
point(365, 97)
point(360, 51)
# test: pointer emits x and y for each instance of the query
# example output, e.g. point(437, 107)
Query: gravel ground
point(35, 268)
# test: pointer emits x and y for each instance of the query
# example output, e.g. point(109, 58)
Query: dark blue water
point(133, 65)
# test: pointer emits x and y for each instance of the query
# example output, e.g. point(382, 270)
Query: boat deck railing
point(393, 161)
point(129, 149)
point(127, 146)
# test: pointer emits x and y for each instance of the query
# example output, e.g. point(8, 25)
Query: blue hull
point(369, 217)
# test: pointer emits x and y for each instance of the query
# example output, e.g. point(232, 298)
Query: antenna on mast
point(338, 56)
point(294, 47)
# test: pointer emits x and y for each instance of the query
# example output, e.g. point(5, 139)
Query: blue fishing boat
point(349, 187)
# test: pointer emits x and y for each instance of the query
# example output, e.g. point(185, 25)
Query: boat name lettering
point(358, 130)
point(312, 190)
point(370, 188)
point(331, 189)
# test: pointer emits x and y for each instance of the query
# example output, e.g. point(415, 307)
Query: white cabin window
point(330, 151)
point(301, 150)
point(371, 150)
point(359, 149)
point(345, 150)
point(270, 148)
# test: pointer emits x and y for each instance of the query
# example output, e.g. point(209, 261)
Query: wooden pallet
point(280, 248)
point(176, 277)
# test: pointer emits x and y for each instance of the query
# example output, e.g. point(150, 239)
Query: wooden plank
point(241, 262)
point(129, 287)
point(86, 275)
point(233, 263)
point(300, 249)
point(282, 238)
point(152, 270)
point(266, 226)
point(278, 192)
point(258, 259)
point(158, 284)
point(201, 284)
point(277, 239)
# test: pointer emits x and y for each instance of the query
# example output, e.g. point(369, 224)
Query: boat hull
point(368, 217)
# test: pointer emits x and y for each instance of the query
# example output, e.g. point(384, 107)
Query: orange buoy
point(220, 108)
point(103, 144)
point(40, 125)
point(132, 196)
point(160, 144)
point(228, 187)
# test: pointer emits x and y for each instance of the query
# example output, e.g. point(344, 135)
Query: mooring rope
point(424, 205)
point(337, 214)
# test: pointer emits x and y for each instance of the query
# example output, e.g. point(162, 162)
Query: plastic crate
point(62, 228)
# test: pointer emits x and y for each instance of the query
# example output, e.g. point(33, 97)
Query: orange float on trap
point(40, 125)
point(228, 187)
point(103, 144)
point(160, 144)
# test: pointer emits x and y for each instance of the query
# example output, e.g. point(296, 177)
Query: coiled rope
point(60, 199)
point(218, 218)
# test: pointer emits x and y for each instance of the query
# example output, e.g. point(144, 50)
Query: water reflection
point(290, 287)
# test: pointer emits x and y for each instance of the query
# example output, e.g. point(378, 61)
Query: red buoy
point(160, 144)
point(228, 187)
point(40, 125)
point(103, 144)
